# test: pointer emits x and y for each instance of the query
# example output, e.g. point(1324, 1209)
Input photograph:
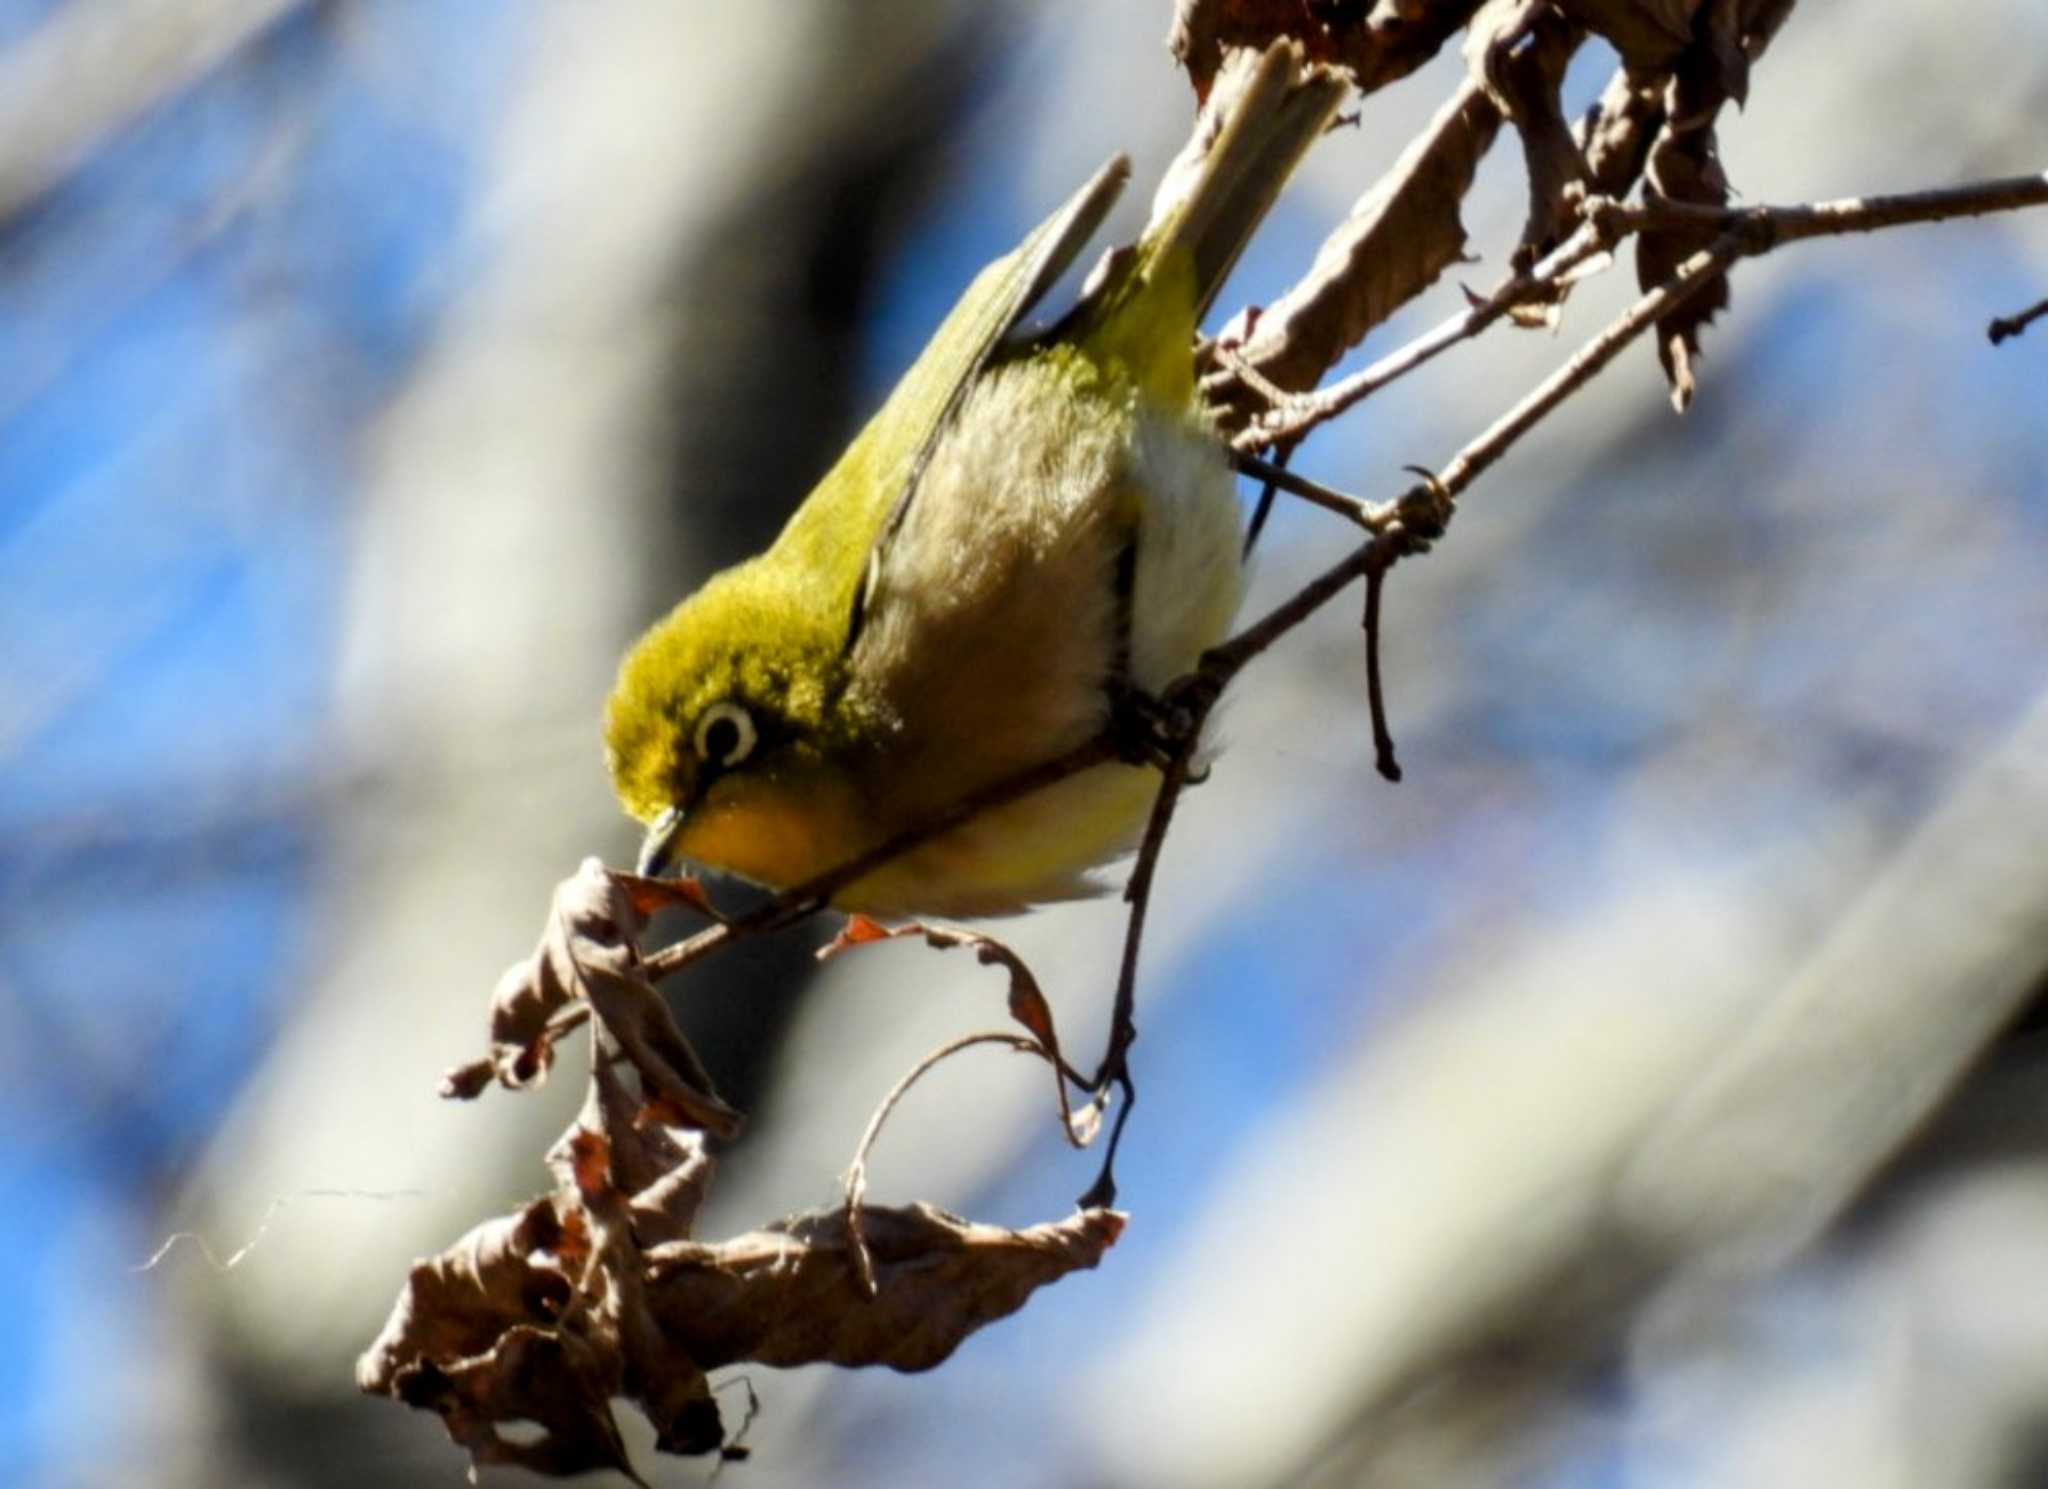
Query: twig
point(808, 898)
point(1694, 275)
point(857, 1171)
point(1767, 227)
point(1375, 695)
point(1276, 475)
point(1199, 692)
point(2006, 327)
point(1264, 509)
point(1758, 230)
point(1123, 1027)
point(1402, 234)
point(1302, 412)
point(1750, 231)
point(1027, 1001)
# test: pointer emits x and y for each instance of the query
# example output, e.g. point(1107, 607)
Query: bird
point(1037, 532)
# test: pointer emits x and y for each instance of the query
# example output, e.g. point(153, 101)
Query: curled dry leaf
point(546, 1316)
point(1683, 160)
point(1375, 42)
point(1648, 34)
point(1615, 134)
point(1685, 166)
point(590, 929)
point(1518, 53)
point(788, 1294)
point(589, 954)
point(599, 1293)
point(1027, 1001)
point(1399, 238)
point(664, 1167)
point(492, 1331)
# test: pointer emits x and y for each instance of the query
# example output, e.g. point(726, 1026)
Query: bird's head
point(732, 733)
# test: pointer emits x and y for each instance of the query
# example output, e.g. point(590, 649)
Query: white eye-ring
point(725, 734)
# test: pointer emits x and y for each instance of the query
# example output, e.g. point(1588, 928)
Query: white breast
point(992, 629)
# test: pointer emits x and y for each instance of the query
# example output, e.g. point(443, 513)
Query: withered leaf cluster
point(599, 1291)
point(1653, 128)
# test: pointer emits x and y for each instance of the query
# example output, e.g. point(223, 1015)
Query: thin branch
point(1123, 1026)
point(2008, 326)
point(1264, 507)
point(1301, 412)
point(1694, 275)
point(1751, 231)
point(857, 1171)
point(1766, 227)
point(1277, 475)
point(1375, 692)
point(1402, 234)
point(1759, 229)
point(808, 898)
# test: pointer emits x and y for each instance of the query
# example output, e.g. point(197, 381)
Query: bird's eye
point(725, 734)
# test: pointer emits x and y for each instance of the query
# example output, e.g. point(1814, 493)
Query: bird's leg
point(1151, 729)
point(1136, 719)
point(1162, 731)
point(1115, 1068)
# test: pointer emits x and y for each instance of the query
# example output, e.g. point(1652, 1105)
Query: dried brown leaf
point(1682, 62)
point(1616, 133)
point(661, 1163)
point(667, 1385)
point(1649, 34)
point(651, 896)
point(1685, 166)
point(1399, 238)
point(490, 1332)
point(1027, 1001)
point(1518, 54)
point(1375, 42)
point(590, 932)
point(500, 1273)
point(545, 1317)
point(788, 1294)
point(589, 953)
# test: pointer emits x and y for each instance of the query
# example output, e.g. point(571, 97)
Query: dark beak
point(658, 849)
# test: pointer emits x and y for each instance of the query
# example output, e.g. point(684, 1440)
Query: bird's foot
point(1165, 729)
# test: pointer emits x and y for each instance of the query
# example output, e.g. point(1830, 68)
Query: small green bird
point(1028, 526)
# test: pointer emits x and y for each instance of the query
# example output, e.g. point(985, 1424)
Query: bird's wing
point(880, 469)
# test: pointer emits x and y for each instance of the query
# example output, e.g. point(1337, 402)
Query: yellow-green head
point(731, 723)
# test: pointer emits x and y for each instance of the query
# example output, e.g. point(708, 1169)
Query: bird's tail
point(1144, 303)
point(1262, 114)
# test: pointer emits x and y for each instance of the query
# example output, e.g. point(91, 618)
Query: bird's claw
point(1163, 730)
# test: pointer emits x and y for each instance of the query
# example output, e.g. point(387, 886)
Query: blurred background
point(1605, 1104)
